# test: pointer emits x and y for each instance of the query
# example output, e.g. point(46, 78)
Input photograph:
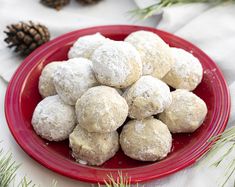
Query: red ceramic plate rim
point(95, 174)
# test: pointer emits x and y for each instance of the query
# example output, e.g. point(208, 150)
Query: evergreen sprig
point(150, 10)
point(120, 181)
point(226, 138)
point(26, 183)
point(7, 169)
point(8, 172)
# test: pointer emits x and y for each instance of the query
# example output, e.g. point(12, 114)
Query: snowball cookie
point(73, 78)
point(146, 97)
point(155, 54)
point(53, 119)
point(93, 148)
point(46, 86)
point(86, 45)
point(186, 72)
point(117, 64)
point(146, 140)
point(186, 112)
point(101, 109)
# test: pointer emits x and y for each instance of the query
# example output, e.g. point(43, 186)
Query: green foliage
point(8, 172)
point(7, 169)
point(149, 11)
point(26, 183)
point(226, 138)
point(120, 181)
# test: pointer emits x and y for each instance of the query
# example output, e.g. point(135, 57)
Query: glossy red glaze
point(22, 97)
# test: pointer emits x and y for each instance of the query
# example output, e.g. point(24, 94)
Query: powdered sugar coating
point(93, 148)
point(146, 97)
point(46, 86)
point(186, 112)
point(186, 72)
point(101, 109)
point(86, 45)
point(155, 54)
point(117, 64)
point(146, 140)
point(53, 120)
point(73, 78)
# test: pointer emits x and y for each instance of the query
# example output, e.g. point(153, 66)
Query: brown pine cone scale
point(87, 2)
point(26, 37)
point(56, 4)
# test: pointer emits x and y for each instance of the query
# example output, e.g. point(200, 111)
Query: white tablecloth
point(210, 28)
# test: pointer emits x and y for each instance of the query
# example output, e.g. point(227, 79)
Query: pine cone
point(26, 37)
point(56, 4)
point(87, 2)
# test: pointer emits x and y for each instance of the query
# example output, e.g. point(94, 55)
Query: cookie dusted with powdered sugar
point(46, 86)
point(146, 140)
point(117, 64)
point(186, 112)
point(101, 109)
point(186, 72)
point(86, 45)
point(93, 148)
point(73, 78)
point(155, 54)
point(146, 97)
point(53, 119)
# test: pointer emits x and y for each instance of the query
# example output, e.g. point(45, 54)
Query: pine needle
point(228, 138)
point(8, 169)
point(54, 183)
point(120, 181)
point(8, 172)
point(217, 163)
point(26, 183)
point(229, 173)
point(150, 10)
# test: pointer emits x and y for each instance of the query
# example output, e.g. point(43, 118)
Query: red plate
point(22, 97)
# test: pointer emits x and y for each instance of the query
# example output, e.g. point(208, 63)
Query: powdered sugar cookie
point(117, 64)
point(73, 78)
point(186, 112)
point(101, 109)
point(146, 97)
point(53, 119)
point(86, 45)
point(93, 148)
point(155, 54)
point(186, 73)
point(46, 86)
point(146, 140)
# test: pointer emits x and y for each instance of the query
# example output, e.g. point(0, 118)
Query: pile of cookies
point(106, 84)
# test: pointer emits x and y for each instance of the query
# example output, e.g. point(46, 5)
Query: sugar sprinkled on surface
point(112, 61)
point(82, 162)
point(155, 53)
point(86, 45)
point(139, 127)
point(186, 63)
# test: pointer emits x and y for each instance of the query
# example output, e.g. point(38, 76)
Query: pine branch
point(25, 183)
point(229, 173)
point(8, 169)
point(120, 181)
point(228, 138)
point(149, 11)
point(8, 172)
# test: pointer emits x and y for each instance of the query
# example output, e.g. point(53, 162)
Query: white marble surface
point(211, 28)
